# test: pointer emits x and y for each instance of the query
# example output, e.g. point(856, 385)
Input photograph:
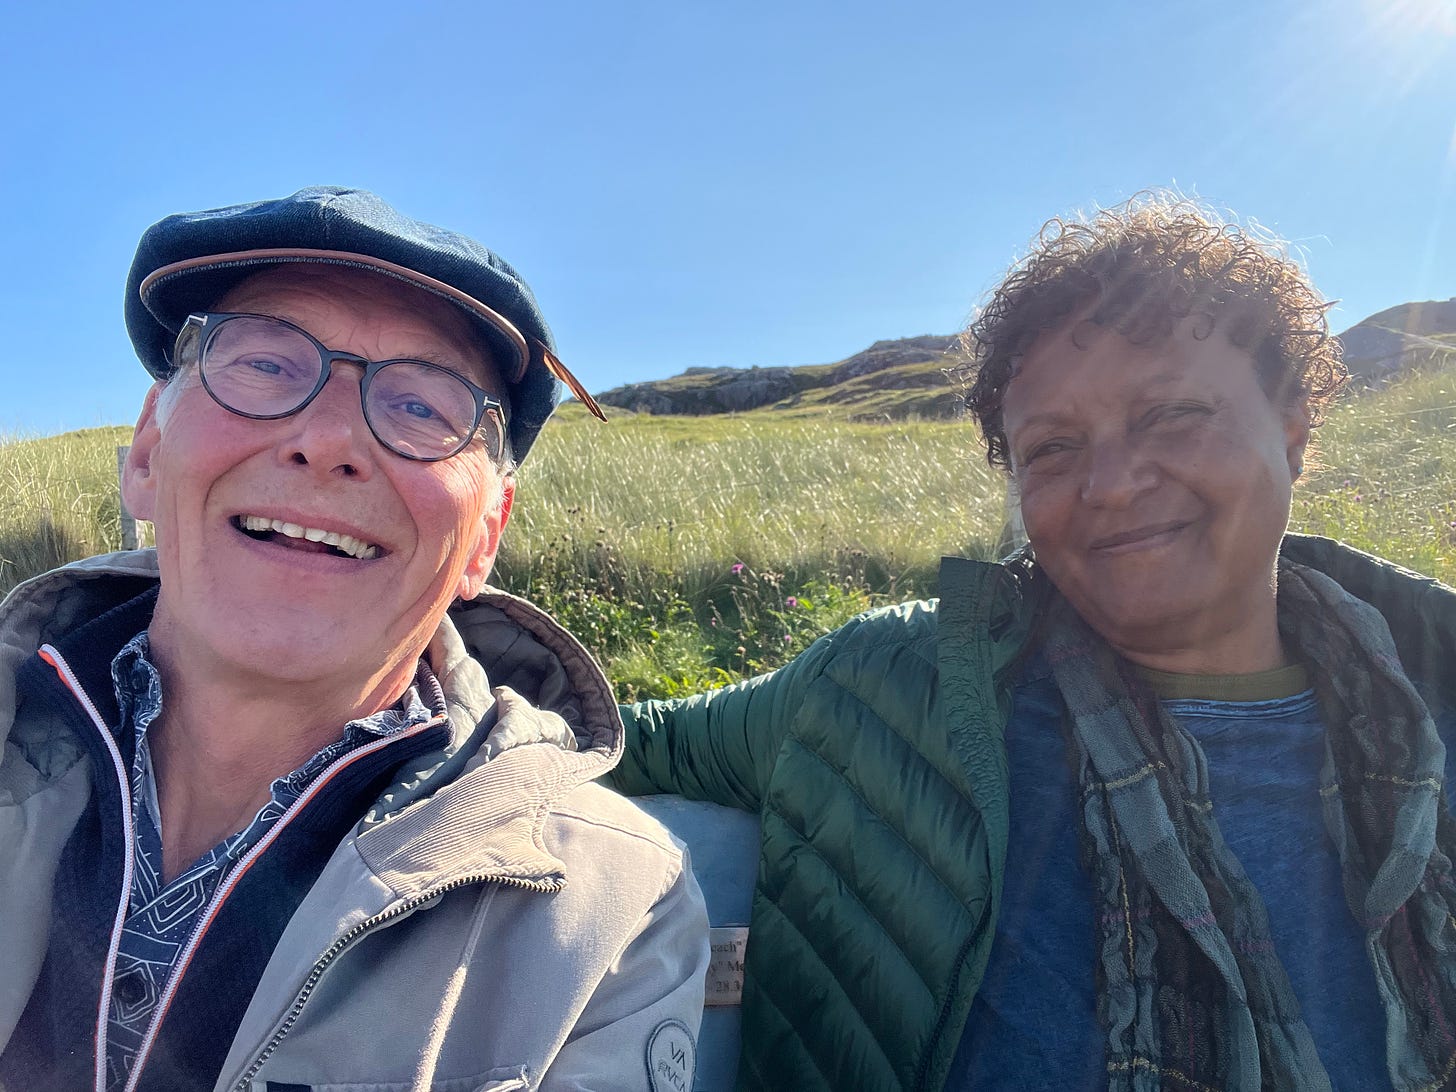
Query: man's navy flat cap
point(186, 263)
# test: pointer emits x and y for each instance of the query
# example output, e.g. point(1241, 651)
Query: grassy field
point(58, 500)
point(1385, 475)
point(688, 552)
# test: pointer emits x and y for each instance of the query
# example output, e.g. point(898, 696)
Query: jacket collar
point(532, 717)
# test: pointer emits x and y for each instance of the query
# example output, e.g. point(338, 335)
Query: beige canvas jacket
point(496, 921)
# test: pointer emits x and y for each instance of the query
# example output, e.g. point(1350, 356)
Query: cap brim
point(242, 260)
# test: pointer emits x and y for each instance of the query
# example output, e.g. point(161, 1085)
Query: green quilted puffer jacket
point(876, 764)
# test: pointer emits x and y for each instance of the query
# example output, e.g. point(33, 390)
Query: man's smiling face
point(301, 548)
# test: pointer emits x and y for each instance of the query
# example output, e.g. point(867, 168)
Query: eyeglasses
point(265, 368)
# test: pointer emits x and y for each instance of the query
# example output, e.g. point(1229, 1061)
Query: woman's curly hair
point(1140, 269)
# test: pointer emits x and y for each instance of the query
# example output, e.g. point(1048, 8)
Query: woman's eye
point(1172, 413)
point(1046, 450)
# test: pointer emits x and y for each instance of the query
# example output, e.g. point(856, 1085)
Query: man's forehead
point(294, 292)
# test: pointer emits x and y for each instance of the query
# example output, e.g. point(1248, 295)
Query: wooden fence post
point(128, 525)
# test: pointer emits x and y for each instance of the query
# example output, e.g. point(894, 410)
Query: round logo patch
point(671, 1057)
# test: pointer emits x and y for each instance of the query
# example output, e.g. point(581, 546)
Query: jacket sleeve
point(718, 746)
point(644, 1016)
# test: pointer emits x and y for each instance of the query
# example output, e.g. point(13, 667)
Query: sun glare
point(1416, 17)
point(1414, 42)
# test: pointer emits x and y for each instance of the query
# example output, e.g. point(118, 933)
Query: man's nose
point(331, 434)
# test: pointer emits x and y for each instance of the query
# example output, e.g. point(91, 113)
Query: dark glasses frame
point(201, 327)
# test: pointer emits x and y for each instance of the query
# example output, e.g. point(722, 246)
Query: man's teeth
point(347, 543)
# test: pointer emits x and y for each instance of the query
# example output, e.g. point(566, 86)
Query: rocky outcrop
point(906, 364)
point(1412, 335)
point(891, 354)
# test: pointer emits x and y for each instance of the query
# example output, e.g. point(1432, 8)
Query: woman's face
point(1155, 485)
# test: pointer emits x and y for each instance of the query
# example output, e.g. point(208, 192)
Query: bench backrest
point(722, 845)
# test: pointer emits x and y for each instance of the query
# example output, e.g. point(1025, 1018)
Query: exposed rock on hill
point(900, 378)
point(1411, 335)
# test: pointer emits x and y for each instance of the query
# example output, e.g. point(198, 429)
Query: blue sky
point(692, 183)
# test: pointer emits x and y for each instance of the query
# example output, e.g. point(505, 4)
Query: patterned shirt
point(161, 917)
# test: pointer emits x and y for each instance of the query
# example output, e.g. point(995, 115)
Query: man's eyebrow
point(473, 368)
point(440, 360)
point(476, 367)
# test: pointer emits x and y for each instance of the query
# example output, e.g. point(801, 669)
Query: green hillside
point(891, 380)
point(688, 551)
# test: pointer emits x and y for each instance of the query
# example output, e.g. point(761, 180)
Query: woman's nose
point(1117, 472)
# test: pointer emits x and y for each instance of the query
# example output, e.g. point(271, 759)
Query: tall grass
point(687, 552)
point(59, 500)
point(644, 496)
point(690, 551)
point(1386, 475)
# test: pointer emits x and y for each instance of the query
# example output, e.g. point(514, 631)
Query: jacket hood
point(528, 651)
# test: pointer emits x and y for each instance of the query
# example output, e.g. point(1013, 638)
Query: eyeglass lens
point(262, 367)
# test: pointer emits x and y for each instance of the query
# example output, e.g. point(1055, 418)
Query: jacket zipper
point(230, 880)
point(348, 939)
point(103, 1015)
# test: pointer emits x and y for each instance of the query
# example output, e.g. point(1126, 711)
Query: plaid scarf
point(1190, 990)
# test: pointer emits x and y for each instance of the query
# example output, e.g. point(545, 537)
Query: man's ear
point(138, 483)
point(487, 545)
